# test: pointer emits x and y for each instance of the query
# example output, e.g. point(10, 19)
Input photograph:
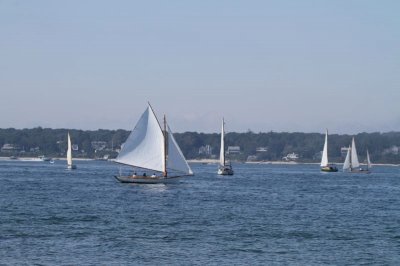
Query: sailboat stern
point(225, 170)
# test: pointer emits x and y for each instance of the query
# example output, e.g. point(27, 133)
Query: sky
point(284, 65)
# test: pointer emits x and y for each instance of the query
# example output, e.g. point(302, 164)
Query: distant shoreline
point(197, 161)
point(215, 161)
point(36, 159)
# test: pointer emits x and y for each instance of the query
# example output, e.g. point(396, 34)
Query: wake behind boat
point(325, 166)
point(150, 148)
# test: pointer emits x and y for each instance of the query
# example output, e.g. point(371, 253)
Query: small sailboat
point(70, 165)
point(325, 166)
point(151, 148)
point(351, 163)
point(223, 167)
point(369, 164)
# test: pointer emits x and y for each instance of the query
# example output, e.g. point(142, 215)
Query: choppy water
point(263, 215)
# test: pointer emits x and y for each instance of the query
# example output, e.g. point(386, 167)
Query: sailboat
point(325, 166)
point(351, 163)
point(70, 165)
point(223, 167)
point(149, 147)
point(369, 165)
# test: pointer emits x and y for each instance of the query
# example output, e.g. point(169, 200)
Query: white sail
point(69, 151)
point(175, 159)
point(354, 156)
point(144, 147)
point(369, 165)
point(346, 164)
point(222, 150)
point(324, 160)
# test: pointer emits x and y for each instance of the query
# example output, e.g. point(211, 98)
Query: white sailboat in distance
point(369, 164)
point(325, 166)
point(149, 147)
point(351, 163)
point(70, 165)
point(223, 167)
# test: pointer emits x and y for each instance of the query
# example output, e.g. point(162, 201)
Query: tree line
point(53, 142)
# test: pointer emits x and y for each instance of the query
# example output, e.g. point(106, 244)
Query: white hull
point(225, 171)
point(146, 179)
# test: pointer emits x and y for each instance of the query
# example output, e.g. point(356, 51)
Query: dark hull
point(329, 169)
point(71, 167)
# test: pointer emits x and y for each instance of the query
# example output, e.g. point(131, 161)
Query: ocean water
point(263, 215)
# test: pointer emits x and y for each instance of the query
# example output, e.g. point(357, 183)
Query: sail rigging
point(150, 147)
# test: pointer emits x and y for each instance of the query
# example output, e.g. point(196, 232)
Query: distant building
point(35, 149)
point(233, 150)
point(392, 150)
point(343, 151)
point(99, 145)
point(205, 150)
point(291, 157)
point(318, 156)
point(75, 147)
point(10, 148)
point(261, 149)
point(251, 158)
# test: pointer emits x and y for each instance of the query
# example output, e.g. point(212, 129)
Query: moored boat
point(351, 163)
point(325, 166)
point(224, 168)
point(70, 165)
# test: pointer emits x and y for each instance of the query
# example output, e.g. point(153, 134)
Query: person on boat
point(153, 175)
point(134, 174)
point(144, 174)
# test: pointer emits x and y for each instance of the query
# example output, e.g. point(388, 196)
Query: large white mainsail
point(175, 159)
point(144, 147)
point(347, 164)
point(324, 160)
point(222, 150)
point(69, 151)
point(354, 156)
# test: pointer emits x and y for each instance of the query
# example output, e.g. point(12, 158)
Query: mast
point(165, 147)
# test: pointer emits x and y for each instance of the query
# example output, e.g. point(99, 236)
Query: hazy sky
point(264, 65)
